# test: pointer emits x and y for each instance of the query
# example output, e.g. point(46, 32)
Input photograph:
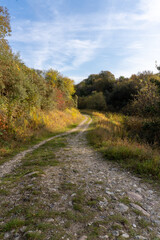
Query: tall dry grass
point(110, 135)
point(39, 125)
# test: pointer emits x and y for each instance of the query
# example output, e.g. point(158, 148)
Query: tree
point(96, 101)
point(158, 67)
point(123, 92)
point(5, 28)
point(63, 87)
point(12, 79)
point(147, 101)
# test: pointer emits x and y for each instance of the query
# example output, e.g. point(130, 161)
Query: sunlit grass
point(109, 135)
point(39, 127)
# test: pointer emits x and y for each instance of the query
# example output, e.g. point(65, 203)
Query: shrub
point(110, 136)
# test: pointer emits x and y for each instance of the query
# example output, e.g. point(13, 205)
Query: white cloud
point(135, 45)
point(77, 78)
point(56, 40)
point(68, 42)
point(143, 48)
point(150, 10)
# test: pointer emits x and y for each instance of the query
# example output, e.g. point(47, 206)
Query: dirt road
point(66, 190)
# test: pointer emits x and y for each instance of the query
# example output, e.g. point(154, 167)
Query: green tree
point(96, 101)
point(63, 86)
point(5, 28)
point(147, 101)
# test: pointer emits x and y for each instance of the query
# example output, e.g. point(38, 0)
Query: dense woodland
point(126, 113)
point(128, 128)
point(28, 96)
point(137, 95)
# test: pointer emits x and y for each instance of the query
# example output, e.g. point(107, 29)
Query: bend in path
point(113, 203)
point(8, 166)
point(87, 197)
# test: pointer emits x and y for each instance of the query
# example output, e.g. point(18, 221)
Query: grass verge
point(54, 123)
point(109, 135)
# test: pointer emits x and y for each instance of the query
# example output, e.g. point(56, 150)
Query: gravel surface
point(7, 167)
point(96, 198)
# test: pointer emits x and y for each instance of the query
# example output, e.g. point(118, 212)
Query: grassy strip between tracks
point(55, 123)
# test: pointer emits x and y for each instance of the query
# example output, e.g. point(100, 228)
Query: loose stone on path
point(95, 198)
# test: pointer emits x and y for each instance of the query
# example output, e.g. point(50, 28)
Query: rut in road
point(80, 196)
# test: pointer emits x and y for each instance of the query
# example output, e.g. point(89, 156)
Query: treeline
point(26, 93)
point(23, 89)
point(137, 95)
point(126, 119)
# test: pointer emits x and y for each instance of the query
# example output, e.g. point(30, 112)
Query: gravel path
point(7, 167)
point(92, 198)
point(131, 208)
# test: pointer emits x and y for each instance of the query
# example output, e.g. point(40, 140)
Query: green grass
point(143, 223)
point(125, 200)
point(92, 202)
point(116, 226)
point(11, 149)
point(118, 218)
point(77, 217)
point(4, 192)
point(30, 211)
point(94, 231)
point(13, 146)
point(13, 224)
point(17, 211)
point(137, 212)
point(43, 157)
point(68, 186)
point(33, 236)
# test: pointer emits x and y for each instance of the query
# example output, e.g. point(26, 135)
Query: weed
point(143, 223)
point(79, 201)
point(17, 210)
point(55, 196)
point(76, 216)
point(92, 202)
point(96, 229)
point(116, 227)
point(125, 200)
point(67, 186)
point(44, 226)
point(78, 207)
point(13, 224)
point(118, 218)
point(30, 235)
point(137, 212)
point(4, 192)
point(98, 182)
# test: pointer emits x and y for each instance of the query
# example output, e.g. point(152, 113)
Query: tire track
point(8, 167)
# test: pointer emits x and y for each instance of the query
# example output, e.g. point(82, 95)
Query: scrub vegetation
point(127, 129)
point(119, 139)
point(33, 103)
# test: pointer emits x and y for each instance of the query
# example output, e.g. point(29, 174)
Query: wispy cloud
point(65, 39)
point(69, 42)
point(143, 49)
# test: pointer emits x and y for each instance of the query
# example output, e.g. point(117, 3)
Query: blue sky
point(81, 37)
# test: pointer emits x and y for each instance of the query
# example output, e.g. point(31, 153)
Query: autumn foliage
point(30, 99)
